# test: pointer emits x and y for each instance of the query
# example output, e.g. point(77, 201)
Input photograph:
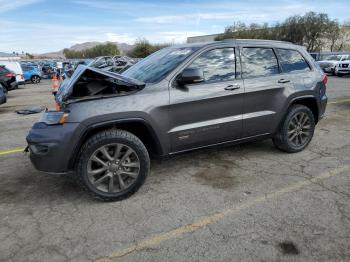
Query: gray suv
point(178, 99)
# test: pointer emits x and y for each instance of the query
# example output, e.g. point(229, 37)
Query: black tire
point(35, 79)
point(284, 139)
point(340, 75)
point(106, 138)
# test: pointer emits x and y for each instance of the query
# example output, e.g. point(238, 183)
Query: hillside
point(123, 47)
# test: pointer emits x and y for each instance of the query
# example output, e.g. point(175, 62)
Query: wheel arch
point(310, 102)
point(137, 126)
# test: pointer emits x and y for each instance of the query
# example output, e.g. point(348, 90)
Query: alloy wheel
point(299, 129)
point(35, 79)
point(113, 168)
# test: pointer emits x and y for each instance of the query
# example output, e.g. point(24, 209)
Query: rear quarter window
point(292, 61)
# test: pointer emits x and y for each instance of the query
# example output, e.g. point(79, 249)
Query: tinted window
point(26, 68)
point(258, 61)
point(3, 69)
point(292, 61)
point(216, 64)
point(159, 64)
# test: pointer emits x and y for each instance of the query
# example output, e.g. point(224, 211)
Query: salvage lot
point(247, 202)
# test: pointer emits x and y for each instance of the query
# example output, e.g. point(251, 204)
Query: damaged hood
point(66, 87)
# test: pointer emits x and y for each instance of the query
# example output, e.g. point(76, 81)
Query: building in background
point(202, 38)
point(8, 57)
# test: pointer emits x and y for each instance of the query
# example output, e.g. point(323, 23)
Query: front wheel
point(296, 131)
point(113, 164)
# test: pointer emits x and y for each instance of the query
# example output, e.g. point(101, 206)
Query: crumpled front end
point(91, 83)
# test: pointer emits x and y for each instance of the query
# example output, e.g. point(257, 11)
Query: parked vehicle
point(103, 62)
point(178, 99)
point(329, 63)
point(121, 63)
point(8, 78)
point(31, 73)
point(3, 97)
point(343, 68)
point(16, 68)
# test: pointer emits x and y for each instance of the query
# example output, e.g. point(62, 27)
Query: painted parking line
point(203, 222)
point(339, 101)
point(11, 151)
point(19, 118)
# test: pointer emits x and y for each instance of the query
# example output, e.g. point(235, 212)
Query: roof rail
point(258, 40)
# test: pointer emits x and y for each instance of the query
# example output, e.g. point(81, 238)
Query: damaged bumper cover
point(50, 146)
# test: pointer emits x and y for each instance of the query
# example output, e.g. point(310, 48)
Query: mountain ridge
point(123, 47)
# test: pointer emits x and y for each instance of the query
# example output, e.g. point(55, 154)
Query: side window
point(292, 61)
point(217, 64)
point(259, 61)
point(109, 61)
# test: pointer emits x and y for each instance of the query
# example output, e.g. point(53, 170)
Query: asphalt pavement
point(249, 202)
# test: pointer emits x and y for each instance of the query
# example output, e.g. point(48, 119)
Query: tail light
point(9, 75)
point(22, 77)
point(324, 79)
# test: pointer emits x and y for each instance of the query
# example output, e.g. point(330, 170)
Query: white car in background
point(329, 63)
point(16, 68)
point(343, 68)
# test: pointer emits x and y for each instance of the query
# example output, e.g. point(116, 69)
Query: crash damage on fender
point(89, 83)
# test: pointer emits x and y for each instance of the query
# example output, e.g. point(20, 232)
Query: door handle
point(232, 87)
point(282, 81)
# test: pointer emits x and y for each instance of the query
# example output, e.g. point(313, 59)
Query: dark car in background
point(178, 99)
point(8, 78)
point(3, 93)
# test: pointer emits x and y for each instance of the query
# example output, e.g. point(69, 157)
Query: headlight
point(54, 117)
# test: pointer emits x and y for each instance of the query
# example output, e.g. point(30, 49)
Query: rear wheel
point(296, 131)
point(35, 79)
point(113, 165)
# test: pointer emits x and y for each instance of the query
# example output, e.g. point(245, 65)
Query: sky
point(39, 26)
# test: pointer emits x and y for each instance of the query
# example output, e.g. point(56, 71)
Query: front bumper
point(51, 147)
point(343, 71)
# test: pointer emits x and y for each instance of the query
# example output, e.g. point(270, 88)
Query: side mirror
point(190, 76)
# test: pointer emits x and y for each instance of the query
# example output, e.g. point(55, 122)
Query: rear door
point(295, 68)
point(266, 90)
point(208, 112)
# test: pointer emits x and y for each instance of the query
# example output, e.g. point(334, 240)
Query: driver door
point(210, 111)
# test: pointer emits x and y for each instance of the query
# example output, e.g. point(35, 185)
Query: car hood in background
point(66, 87)
point(327, 62)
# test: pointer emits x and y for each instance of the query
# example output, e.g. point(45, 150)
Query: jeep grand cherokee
point(178, 99)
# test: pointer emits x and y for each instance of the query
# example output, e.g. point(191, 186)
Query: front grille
point(345, 65)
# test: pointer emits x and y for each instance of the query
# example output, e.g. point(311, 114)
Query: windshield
point(158, 65)
point(333, 57)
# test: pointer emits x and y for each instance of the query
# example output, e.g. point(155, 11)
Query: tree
point(313, 30)
point(143, 48)
point(333, 34)
point(108, 49)
point(30, 56)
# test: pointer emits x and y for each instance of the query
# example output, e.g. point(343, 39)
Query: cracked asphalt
point(249, 202)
